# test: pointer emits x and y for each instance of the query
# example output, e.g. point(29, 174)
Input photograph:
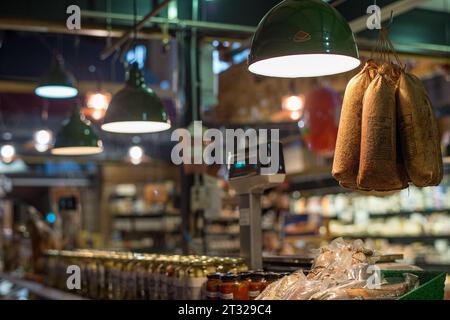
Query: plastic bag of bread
point(276, 290)
point(306, 289)
point(338, 292)
point(419, 136)
point(379, 168)
point(347, 152)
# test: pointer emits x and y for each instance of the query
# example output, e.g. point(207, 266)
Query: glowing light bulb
point(43, 137)
point(293, 103)
point(41, 147)
point(98, 101)
point(136, 161)
point(136, 154)
point(295, 115)
point(7, 153)
point(97, 114)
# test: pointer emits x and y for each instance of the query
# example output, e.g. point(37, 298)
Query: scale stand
point(249, 184)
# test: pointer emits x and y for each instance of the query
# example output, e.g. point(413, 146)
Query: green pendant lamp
point(303, 38)
point(76, 138)
point(58, 83)
point(136, 108)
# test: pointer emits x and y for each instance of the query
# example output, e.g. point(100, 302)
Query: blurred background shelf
point(398, 239)
point(408, 213)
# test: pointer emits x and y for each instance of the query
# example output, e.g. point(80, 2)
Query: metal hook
point(391, 20)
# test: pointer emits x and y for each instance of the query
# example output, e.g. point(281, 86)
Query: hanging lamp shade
point(76, 137)
point(136, 108)
point(303, 38)
point(58, 83)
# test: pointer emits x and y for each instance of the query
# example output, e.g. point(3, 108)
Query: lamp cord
point(134, 27)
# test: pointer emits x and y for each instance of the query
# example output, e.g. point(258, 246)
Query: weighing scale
point(249, 182)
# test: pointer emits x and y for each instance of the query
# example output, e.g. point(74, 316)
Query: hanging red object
point(321, 119)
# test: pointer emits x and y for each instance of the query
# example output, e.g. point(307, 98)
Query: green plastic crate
point(431, 284)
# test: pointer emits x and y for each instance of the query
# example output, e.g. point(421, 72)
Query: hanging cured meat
point(322, 108)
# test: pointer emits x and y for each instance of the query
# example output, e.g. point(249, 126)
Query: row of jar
point(243, 286)
point(123, 275)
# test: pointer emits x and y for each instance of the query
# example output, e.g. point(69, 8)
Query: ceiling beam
point(93, 30)
point(18, 86)
point(201, 25)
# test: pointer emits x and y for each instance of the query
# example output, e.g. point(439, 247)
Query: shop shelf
point(441, 267)
point(222, 219)
point(222, 234)
point(407, 213)
point(398, 239)
point(158, 215)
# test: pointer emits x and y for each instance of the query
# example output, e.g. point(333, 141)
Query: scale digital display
point(243, 168)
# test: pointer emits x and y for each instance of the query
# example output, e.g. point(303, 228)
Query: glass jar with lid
point(241, 265)
point(170, 276)
point(179, 277)
point(159, 276)
point(195, 280)
point(213, 286)
point(141, 268)
point(151, 279)
point(242, 292)
point(119, 275)
point(256, 285)
point(129, 276)
point(229, 284)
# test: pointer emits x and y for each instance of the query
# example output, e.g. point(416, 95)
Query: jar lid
point(244, 275)
point(229, 277)
point(272, 276)
point(214, 276)
point(256, 276)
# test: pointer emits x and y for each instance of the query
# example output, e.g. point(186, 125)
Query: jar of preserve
point(213, 286)
point(242, 292)
point(245, 276)
point(229, 286)
point(256, 285)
